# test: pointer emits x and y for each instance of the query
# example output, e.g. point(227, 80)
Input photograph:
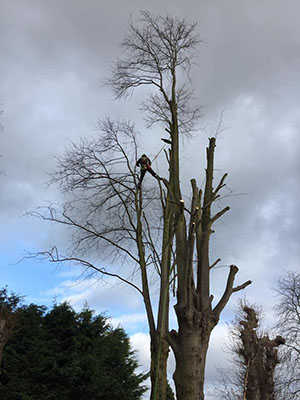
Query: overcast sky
point(54, 56)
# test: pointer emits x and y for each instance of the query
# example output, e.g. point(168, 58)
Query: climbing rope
point(159, 152)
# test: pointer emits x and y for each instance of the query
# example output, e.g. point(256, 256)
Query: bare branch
point(229, 290)
point(220, 185)
point(219, 214)
point(215, 263)
point(240, 287)
point(154, 48)
point(54, 257)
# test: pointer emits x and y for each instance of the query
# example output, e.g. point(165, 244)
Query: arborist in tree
point(145, 164)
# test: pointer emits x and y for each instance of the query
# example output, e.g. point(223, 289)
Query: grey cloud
point(54, 56)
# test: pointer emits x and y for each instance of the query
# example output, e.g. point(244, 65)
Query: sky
point(54, 58)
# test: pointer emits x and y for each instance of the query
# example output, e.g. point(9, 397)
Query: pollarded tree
point(255, 359)
point(260, 357)
point(112, 214)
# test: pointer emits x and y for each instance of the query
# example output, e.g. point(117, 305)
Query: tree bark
point(158, 368)
point(193, 338)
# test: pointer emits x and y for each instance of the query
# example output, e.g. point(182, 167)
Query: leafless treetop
point(156, 50)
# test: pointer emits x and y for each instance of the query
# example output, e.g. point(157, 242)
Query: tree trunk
point(158, 368)
point(195, 316)
point(191, 350)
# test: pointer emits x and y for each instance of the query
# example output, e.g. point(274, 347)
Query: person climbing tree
point(144, 163)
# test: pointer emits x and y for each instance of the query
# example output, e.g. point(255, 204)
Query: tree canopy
point(63, 354)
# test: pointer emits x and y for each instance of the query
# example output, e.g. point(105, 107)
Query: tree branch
point(215, 263)
point(229, 290)
point(220, 185)
point(240, 287)
point(219, 214)
point(54, 257)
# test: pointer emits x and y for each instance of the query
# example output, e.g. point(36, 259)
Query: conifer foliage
point(62, 354)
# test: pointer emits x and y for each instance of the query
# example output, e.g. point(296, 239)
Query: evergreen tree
point(9, 305)
point(68, 356)
point(23, 367)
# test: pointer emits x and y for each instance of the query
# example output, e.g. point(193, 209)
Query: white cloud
point(141, 343)
point(217, 357)
point(52, 63)
point(102, 295)
point(131, 322)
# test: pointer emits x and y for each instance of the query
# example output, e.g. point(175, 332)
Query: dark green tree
point(67, 355)
point(23, 369)
point(9, 305)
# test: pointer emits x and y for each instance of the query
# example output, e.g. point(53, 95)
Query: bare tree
point(113, 224)
point(110, 213)
point(255, 358)
point(288, 311)
point(156, 54)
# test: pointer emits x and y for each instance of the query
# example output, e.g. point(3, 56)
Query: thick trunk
point(193, 338)
point(158, 369)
